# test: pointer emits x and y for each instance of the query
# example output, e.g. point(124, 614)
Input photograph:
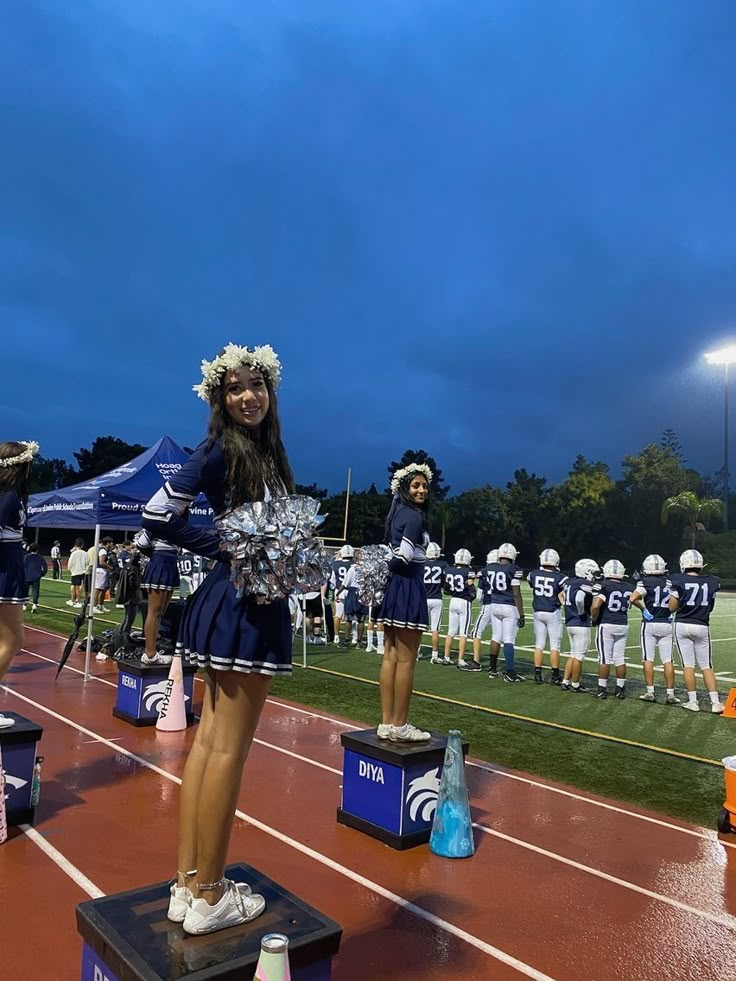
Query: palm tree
point(443, 512)
point(697, 512)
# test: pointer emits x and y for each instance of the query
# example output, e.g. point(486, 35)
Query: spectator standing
point(77, 566)
point(36, 568)
point(56, 559)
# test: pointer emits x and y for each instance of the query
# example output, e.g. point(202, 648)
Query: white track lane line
point(704, 835)
point(62, 861)
point(419, 911)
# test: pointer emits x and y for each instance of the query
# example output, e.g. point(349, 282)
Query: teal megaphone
point(452, 830)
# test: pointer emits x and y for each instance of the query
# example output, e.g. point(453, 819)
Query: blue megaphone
point(452, 830)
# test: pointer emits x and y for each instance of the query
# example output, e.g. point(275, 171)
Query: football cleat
point(691, 559)
point(601, 693)
point(648, 696)
point(613, 569)
point(433, 550)
point(672, 700)
point(620, 692)
point(463, 557)
point(507, 551)
point(654, 565)
point(550, 558)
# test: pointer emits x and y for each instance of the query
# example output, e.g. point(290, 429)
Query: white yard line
point(62, 861)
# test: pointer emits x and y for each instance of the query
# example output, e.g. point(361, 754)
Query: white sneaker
point(691, 706)
point(70, 603)
point(370, 650)
point(179, 902)
point(34, 608)
point(384, 730)
point(648, 696)
point(77, 606)
point(158, 658)
point(5, 722)
point(716, 708)
point(101, 657)
point(97, 609)
point(235, 906)
point(435, 660)
point(408, 734)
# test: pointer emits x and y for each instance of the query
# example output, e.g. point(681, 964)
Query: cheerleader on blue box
point(238, 643)
point(404, 613)
point(16, 460)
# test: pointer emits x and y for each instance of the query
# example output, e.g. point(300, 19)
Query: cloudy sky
point(503, 230)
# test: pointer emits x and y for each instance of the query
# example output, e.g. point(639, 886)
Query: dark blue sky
point(501, 231)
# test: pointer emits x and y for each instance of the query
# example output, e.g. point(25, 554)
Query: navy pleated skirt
point(222, 632)
point(405, 602)
point(13, 587)
point(162, 572)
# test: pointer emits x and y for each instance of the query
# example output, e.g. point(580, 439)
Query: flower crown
point(31, 449)
point(399, 475)
point(233, 357)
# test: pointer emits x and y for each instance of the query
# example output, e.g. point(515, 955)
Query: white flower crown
point(31, 449)
point(233, 357)
point(405, 471)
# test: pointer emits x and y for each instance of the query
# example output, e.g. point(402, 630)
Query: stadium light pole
point(726, 356)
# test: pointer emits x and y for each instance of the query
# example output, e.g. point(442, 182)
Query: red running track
point(563, 885)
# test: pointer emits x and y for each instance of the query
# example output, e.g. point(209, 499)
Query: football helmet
point(587, 569)
point(507, 551)
point(692, 559)
point(346, 552)
point(433, 550)
point(654, 565)
point(613, 569)
point(550, 557)
point(463, 557)
point(492, 556)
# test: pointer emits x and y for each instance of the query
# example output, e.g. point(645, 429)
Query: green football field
point(653, 754)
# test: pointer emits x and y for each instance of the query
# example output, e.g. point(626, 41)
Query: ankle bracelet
point(211, 886)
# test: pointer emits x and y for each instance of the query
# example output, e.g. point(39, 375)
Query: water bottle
point(273, 964)
point(36, 785)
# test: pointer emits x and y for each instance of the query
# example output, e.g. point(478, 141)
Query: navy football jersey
point(434, 574)
point(696, 595)
point(655, 592)
point(458, 580)
point(339, 569)
point(615, 607)
point(546, 585)
point(500, 578)
point(579, 595)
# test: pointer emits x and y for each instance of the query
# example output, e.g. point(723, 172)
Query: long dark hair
point(255, 459)
point(17, 477)
point(402, 497)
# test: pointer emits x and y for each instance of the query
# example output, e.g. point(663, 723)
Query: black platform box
point(19, 745)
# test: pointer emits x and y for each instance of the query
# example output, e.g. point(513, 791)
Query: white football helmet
point(692, 559)
point(654, 565)
point(492, 556)
point(463, 557)
point(507, 551)
point(346, 552)
point(587, 569)
point(613, 569)
point(433, 550)
point(550, 557)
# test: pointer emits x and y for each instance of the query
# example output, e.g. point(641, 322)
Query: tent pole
point(304, 630)
point(91, 607)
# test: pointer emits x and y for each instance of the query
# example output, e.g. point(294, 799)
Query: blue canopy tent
point(114, 500)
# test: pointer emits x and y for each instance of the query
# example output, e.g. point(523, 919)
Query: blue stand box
point(19, 746)
point(127, 937)
point(142, 689)
point(390, 790)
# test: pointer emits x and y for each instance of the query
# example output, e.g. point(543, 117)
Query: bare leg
point(576, 669)
point(554, 660)
point(709, 679)
point(648, 668)
point(387, 675)
point(406, 646)
point(539, 657)
point(11, 634)
point(669, 674)
point(158, 600)
point(688, 675)
point(224, 745)
point(448, 646)
point(191, 784)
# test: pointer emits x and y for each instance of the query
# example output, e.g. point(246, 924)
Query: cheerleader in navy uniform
point(403, 612)
point(160, 579)
point(239, 643)
point(16, 459)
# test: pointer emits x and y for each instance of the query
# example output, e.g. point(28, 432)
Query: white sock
point(370, 638)
point(650, 689)
point(379, 641)
point(670, 691)
point(575, 684)
point(620, 682)
point(714, 697)
point(692, 696)
point(354, 633)
point(603, 683)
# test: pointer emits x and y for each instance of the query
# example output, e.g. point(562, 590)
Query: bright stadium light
point(724, 356)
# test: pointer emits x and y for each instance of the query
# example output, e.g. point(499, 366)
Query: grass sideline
point(511, 725)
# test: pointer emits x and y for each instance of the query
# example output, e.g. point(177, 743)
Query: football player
point(610, 610)
point(577, 599)
point(651, 596)
point(692, 597)
point(484, 617)
point(434, 574)
point(460, 586)
point(339, 568)
point(503, 579)
point(547, 583)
